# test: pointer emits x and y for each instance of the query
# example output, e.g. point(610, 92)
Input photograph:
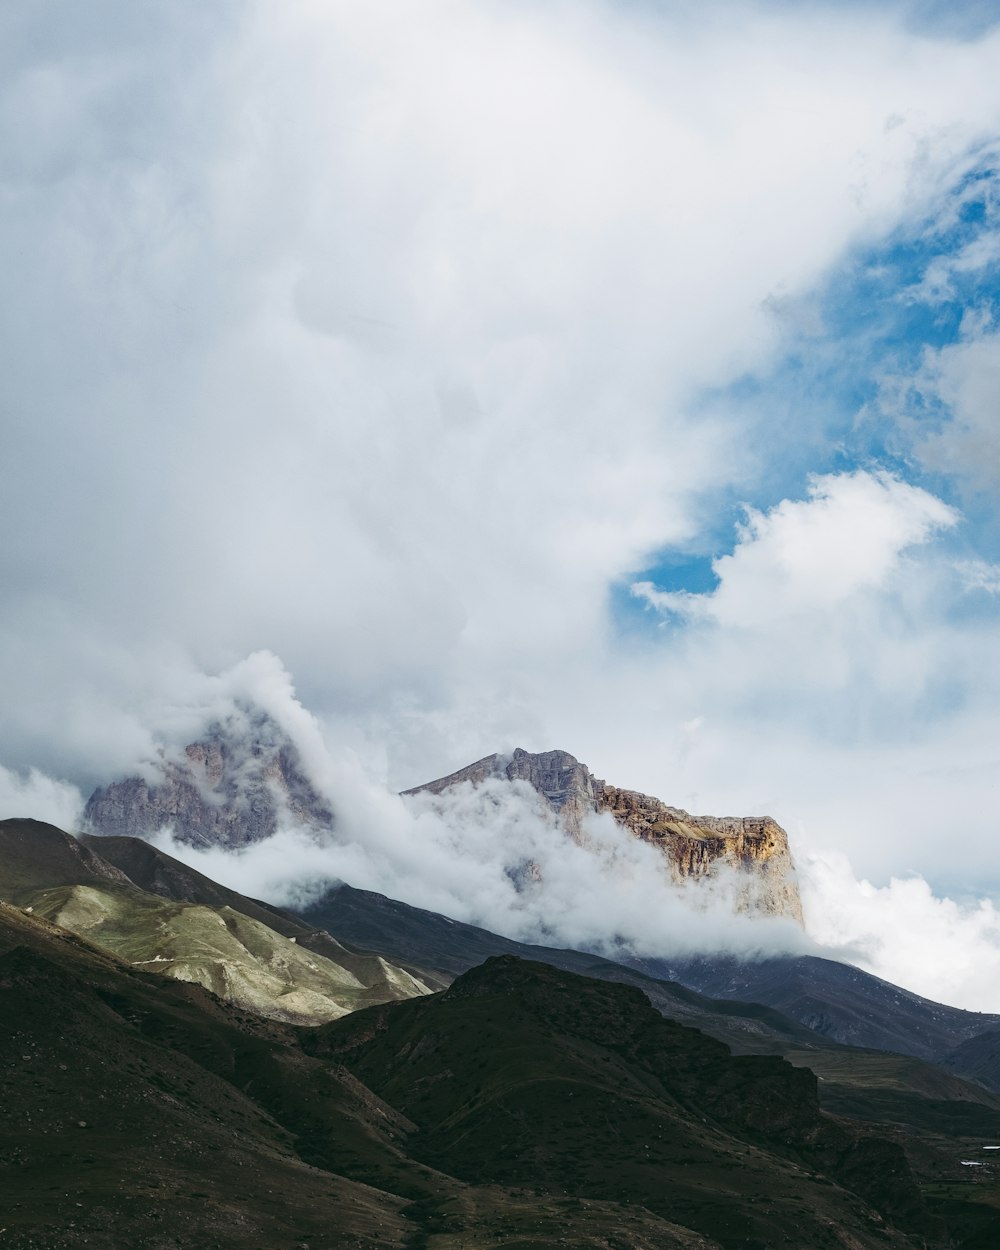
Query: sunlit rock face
point(238, 785)
point(754, 848)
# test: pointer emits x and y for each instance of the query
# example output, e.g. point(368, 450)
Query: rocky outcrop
point(230, 789)
point(697, 846)
point(566, 785)
point(754, 848)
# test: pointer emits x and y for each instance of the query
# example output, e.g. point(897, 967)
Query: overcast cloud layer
point(613, 377)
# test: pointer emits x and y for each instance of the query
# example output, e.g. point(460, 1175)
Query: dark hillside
point(523, 1075)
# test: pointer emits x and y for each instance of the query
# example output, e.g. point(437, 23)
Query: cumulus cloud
point(808, 557)
point(945, 949)
point(828, 615)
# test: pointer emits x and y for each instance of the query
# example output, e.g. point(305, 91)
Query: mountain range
point(184, 1065)
point(238, 786)
point(527, 1105)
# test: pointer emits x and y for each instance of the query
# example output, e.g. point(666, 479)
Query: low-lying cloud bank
point(943, 948)
point(490, 856)
point(453, 858)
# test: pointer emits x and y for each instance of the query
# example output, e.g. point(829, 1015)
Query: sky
point(617, 377)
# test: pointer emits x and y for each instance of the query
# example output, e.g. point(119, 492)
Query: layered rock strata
point(755, 848)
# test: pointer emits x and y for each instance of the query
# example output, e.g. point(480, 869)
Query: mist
point(495, 855)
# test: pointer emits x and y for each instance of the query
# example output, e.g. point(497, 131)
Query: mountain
point(244, 780)
point(525, 1106)
point(242, 950)
point(237, 785)
point(528, 1108)
point(753, 848)
point(521, 1075)
point(436, 945)
point(835, 999)
point(140, 1111)
point(901, 1084)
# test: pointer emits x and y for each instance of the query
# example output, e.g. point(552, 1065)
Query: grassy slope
point(288, 972)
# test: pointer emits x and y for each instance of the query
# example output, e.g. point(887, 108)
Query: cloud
point(813, 556)
point(944, 949)
point(457, 860)
point(39, 797)
point(257, 256)
point(491, 855)
point(827, 613)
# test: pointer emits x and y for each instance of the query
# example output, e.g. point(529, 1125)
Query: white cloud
point(812, 556)
point(39, 797)
point(491, 856)
point(376, 346)
point(946, 950)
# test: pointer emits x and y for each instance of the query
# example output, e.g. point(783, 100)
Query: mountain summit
point(695, 847)
point(236, 785)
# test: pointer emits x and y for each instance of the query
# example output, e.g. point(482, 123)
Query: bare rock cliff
point(226, 790)
point(755, 848)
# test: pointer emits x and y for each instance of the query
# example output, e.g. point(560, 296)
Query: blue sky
point(822, 405)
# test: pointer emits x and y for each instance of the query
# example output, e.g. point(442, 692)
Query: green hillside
point(219, 946)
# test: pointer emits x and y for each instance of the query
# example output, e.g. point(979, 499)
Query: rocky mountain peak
point(236, 785)
point(755, 848)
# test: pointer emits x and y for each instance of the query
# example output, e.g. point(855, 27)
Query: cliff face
point(755, 848)
point(226, 790)
point(697, 846)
